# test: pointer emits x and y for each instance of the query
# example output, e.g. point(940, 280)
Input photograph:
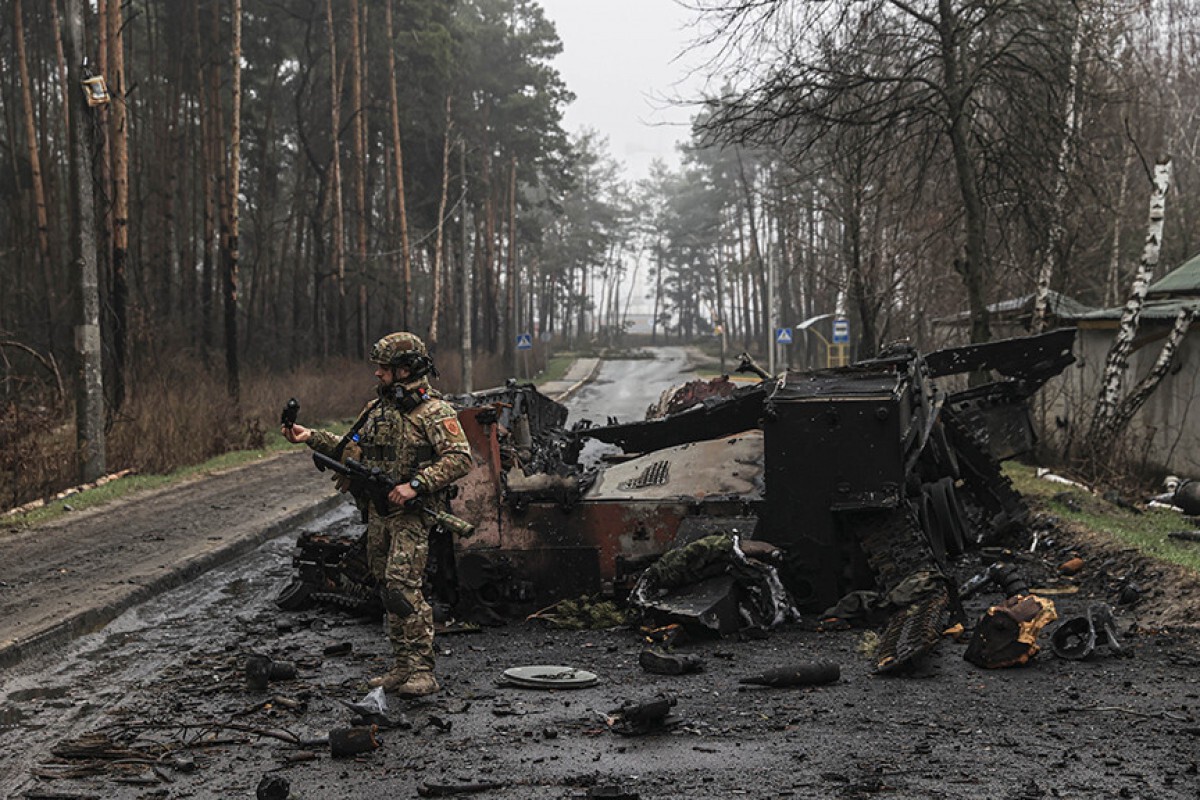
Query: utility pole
point(89, 379)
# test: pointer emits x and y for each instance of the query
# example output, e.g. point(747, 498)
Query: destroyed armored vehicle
point(865, 477)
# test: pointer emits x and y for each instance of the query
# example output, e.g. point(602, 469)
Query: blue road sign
point(524, 341)
point(841, 331)
point(783, 336)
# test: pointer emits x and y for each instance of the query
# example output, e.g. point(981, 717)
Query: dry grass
point(178, 415)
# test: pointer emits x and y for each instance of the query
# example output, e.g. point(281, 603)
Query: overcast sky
point(622, 60)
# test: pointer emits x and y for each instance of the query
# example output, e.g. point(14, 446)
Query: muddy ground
point(164, 686)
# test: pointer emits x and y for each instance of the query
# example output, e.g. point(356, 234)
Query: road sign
point(841, 331)
point(524, 341)
point(783, 336)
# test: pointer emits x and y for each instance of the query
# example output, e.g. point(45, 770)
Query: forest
point(210, 205)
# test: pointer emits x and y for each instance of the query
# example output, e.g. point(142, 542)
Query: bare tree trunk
point(974, 266)
point(212, 167)
point(510, 301)
point(1114, 255)
point(402, 210)
point(230, 252)
point(62, 65)
point(358, 47)
point(89, 382)
point(1065, 148)
point(437, 247)
point(35, 167)
point(468, 288)
point(35, 161)
point(119, 127)
point(335, 122)
point(1117, 361)
point(1146, 386)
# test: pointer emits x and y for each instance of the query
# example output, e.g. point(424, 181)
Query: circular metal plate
point(547, 676)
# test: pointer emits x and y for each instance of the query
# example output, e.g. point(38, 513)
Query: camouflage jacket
point(425, 442)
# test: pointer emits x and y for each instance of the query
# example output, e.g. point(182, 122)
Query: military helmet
point(403, 349)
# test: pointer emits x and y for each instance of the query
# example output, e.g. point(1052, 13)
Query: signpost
point(783, 336)
point(839, 351)
point(525, 344)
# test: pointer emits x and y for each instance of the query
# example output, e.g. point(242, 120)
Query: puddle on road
point(39, 693)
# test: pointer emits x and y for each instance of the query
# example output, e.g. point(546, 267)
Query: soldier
point(413, 436)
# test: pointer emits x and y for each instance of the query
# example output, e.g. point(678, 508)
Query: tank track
point(894, 545)
point(353, 597)
point(895, 548)
point(1004, 511)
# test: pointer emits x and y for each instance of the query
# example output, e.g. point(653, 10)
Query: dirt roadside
point(74, 575)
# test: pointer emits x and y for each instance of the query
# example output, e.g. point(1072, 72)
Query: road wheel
point(931, 523)
point(947, 509)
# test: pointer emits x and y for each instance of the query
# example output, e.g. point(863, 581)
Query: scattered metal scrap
point(1006, 635)
point(545, 676)
point(814, 674)
point(637, 718)
point(1077, 638)
point(861, 477)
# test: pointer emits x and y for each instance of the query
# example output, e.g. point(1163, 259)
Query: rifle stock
point(377, 485)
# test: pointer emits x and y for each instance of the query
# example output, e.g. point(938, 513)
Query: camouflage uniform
point(424, 442)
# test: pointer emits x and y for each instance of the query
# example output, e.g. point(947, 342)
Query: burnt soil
point(156, 704)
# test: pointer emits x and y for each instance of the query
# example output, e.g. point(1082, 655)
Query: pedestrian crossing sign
point(524, 341)
point(783, 336)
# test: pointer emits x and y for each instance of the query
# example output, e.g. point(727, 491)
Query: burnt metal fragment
point(636, 718)
point(813, 674)
point(1006, 635)
point(273, 787)
point(352, 741)
point(664, 663)
point(1077, 638)
point(258, 672)
point(1006, 577)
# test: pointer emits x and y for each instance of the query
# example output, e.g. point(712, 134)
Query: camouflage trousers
point(397, 549)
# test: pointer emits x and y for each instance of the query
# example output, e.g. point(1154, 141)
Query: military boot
point(419, 684)
point(394, 678)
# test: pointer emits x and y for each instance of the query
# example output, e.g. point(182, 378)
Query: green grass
point(1146, 532)
point(115, 490)
point(555, 369)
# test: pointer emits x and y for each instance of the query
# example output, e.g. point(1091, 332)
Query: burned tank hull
point(862, 476)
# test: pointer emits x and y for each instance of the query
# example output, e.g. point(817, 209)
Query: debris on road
point(656, 660)
point(814, 674)
point(547, 676)
point(353, 741)
point(1077, 638)
point(1006, 635)
point(640, 717)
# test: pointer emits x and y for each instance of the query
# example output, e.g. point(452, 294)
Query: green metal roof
point(1184, 279)
point(1155, 309)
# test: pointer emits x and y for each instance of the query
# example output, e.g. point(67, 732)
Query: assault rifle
point(376, 486)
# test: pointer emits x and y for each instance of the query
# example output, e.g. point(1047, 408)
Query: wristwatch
point(417, 485)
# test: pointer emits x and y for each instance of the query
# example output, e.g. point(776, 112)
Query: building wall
point(1164, 434)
